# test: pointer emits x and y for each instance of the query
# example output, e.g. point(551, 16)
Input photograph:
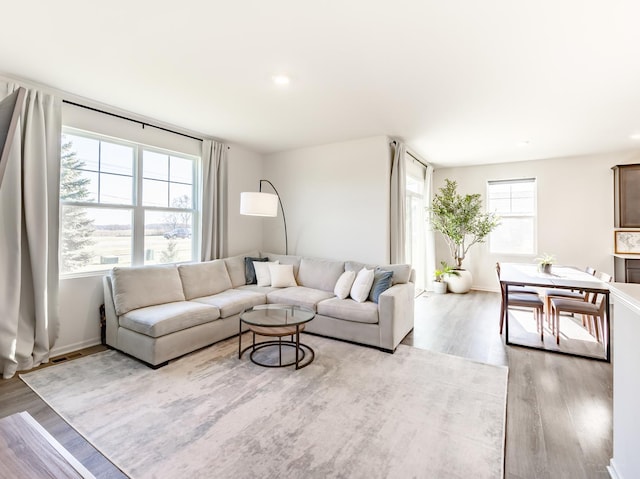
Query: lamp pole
point(286, 240)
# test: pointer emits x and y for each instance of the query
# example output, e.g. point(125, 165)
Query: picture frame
point(627, 242)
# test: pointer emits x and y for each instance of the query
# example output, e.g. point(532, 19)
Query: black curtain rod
point(394, 142)
point(417, 159)
point(131, 119)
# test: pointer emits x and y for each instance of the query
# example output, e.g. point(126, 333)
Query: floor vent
point(62, 359)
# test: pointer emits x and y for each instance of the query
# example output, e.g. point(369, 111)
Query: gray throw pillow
point(249, 270)
point(382, 281)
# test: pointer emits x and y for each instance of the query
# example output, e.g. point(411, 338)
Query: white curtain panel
point(430, 234)
point(29, 209)
point(214, 200)
point(398, 216)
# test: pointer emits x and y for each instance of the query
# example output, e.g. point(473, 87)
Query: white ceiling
point(461, 81)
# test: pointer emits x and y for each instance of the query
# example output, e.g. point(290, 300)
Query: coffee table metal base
point(303, 351)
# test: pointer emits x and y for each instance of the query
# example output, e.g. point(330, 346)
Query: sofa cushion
point(235, 268)
point(344, 283)
point(250, 270)
point(142, 286)
point(319, 273)
point(163, 319)
point(349, 310)
point(401, 272)
point(299, 296)
point(263, 276)
point(362, 285)
point(233, 301)
point(382, 280)
point(282, 275)
point(204, 279)
point(285, 259)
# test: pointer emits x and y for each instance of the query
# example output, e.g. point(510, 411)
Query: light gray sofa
point(158, 313)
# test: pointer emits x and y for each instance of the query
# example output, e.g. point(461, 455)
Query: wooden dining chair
point(592, 311)
point(518, 288)
point(520, 299)
point(565, 294)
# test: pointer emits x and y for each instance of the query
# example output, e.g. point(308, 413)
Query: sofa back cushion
point(235, 268)
point(284, 259)
point(204, 279)
point(250, 269)
point(142, 286)
point(401, 272)
point(319, 273)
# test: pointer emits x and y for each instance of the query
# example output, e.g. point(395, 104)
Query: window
point(124, 204)
point(515, 202)
point(415, 247)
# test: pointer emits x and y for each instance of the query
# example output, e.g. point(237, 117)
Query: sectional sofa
point(158, 313)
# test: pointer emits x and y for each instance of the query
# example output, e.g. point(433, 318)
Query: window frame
point(137, 208)
point(533, 214)
point(418, 172)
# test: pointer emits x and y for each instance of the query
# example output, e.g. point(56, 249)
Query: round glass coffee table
point(277, 321)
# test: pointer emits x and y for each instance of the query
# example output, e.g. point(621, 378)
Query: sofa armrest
point(395, 313)
point(111, 317)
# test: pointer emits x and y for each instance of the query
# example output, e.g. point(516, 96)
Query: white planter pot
point(439, 287)
point(461, 282)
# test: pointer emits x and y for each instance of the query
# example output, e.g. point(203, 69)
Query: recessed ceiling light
point(635, 136)
point(524, 143)
point(281, 80)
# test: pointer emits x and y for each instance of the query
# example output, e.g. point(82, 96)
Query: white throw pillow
point(344, 283)
point(362, 285)
point(263, 276)
point(282, 275)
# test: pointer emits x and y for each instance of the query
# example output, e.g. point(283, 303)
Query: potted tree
point(463, 223)
point(440, 277)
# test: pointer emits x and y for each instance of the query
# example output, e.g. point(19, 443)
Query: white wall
point(575, 210)
point(336, 200)
point(244, 173)
point(80, 298)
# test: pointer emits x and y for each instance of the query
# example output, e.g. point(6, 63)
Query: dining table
point(560, 277)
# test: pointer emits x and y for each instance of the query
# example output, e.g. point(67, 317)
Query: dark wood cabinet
point(626, 270)
point(626, 187)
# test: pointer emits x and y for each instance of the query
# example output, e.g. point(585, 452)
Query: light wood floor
point(559, 408)
point(15, 396)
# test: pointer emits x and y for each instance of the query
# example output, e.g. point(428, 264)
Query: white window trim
point(533, 215)
point(137, 209)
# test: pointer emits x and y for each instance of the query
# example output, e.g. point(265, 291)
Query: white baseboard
point(612, 470)
point(69, 348)
point(488, 290)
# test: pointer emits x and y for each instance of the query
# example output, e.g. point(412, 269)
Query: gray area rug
point(355, 412)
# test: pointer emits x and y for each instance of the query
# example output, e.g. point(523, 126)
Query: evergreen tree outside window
point(78, 227)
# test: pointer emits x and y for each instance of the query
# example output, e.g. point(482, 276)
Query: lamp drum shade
point(258, 204)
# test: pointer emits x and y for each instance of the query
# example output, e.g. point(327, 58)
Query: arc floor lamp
point(263, 204)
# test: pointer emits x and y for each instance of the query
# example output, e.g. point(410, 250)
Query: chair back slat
point(604, 277)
